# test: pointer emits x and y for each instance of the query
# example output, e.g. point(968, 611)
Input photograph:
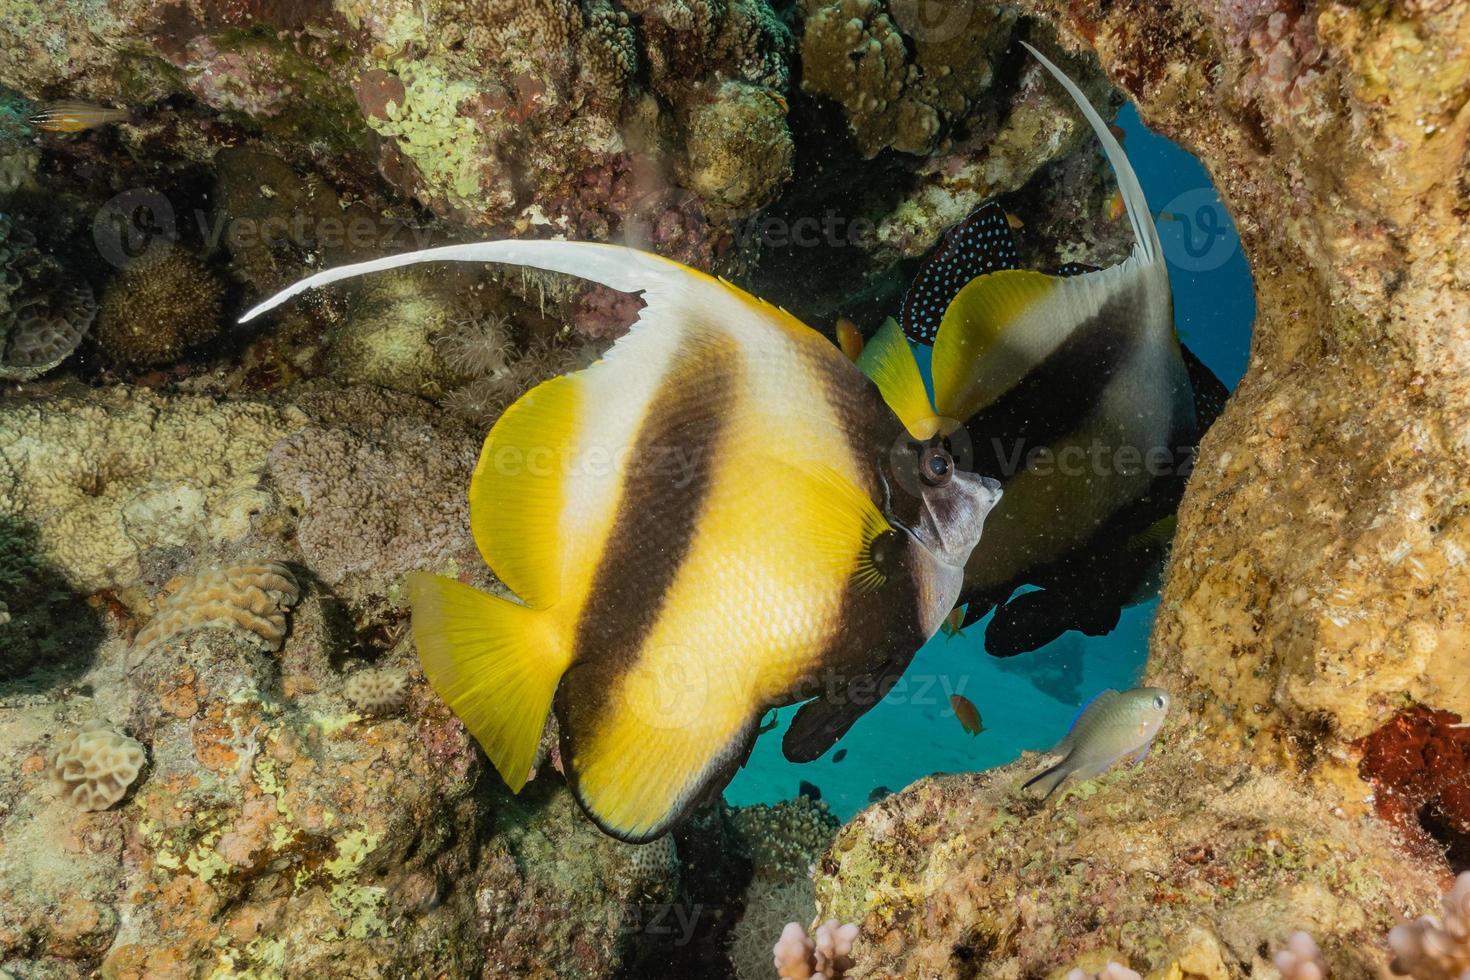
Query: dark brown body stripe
point(1057, 394)
point(664, 493)
point(876, 634)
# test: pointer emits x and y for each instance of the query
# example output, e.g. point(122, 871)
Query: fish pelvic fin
point(495, 662)
point(1134, 203)
point(1051, 778)
point(889, 361)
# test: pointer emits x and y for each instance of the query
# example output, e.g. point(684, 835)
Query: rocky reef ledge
point(1313, 622)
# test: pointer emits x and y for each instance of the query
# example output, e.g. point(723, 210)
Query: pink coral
point(1301, 959)
point(827, 957)
point(1434, 948)
point(1111, 971)
point(1287, 57)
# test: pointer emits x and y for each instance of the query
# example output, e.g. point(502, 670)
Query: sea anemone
point(477, 347)
point(157, 308)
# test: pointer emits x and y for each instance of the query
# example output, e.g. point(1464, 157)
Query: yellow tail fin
point(494, 662)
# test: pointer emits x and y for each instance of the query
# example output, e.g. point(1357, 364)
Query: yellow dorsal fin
point(517, 490)
point(997, 328)
point(889, 361)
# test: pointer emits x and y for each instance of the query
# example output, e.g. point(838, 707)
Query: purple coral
point(827, 957)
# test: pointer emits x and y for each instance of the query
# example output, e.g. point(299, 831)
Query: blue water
point(913, 732)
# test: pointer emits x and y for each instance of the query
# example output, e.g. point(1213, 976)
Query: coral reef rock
point(1317, 584)
point(108, 477)
point(378, 480)
point(1182, 867)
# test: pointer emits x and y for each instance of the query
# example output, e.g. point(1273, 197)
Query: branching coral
point(828, 956)
point(1436, 948)
point(253, 597)
point(769, 906)
point(157, 308)
point(94, 768)
point(1301, 959)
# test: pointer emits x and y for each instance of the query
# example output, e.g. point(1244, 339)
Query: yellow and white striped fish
point(710, 522)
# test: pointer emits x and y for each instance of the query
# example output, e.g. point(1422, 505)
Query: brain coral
point(44, 311)
point(105, 475)
point(378, 692)
point(158, 307)
point(253, 597)
point(95, 767)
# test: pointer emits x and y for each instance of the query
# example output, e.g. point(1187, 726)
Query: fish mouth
point(953, 517)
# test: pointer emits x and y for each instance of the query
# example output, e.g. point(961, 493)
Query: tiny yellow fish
point(75, 116)
point(1115, 207)
point(1015, 222)
point(952, 623)
point(849, 338)
point(964, 709)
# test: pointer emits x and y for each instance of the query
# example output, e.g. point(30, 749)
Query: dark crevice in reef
point(52, 633)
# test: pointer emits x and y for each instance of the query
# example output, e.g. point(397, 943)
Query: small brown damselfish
point(720, 517)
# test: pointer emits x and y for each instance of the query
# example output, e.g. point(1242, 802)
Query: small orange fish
point(75, 116)
point(1117, 131)
point(1114, 207)
point(1168, 216)
point(849, 338)
point(951, 625)
point(964, 709)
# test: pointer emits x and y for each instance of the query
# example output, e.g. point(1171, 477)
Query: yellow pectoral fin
point(495, 663)
point(518, 487)
point(841, 527)
point(889, 361)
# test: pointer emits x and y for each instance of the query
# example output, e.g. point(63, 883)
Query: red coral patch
point(1419, 767)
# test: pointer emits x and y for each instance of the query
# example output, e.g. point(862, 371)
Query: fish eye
point(936, 466)
point(1160, 701)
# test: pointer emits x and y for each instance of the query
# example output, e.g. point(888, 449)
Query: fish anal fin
point(516, 492)
point(649, 754)
point(889, 361)
point(494, 662)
